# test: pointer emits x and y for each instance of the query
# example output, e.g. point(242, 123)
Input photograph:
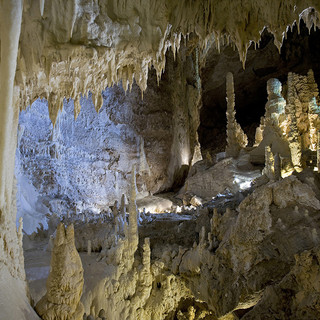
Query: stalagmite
point(275, 107)
point(236, 138)
point(269, 164)
point(65, 281)
point(277, 167)
point(294, 138)
point(259, 132)
point(146, 254)
point(290, 126)
point(202, 239)
point(115, 209)
point(133, 212)
point(197, 156)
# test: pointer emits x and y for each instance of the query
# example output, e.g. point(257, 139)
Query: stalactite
point(87, 62)
point(111, 63)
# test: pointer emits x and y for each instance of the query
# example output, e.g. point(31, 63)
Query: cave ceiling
point(68, 49)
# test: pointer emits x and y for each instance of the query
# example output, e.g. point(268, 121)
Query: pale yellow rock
point(269, 164)
point(70, 47)
point(65, 281)
point(290, 126)
point(259, 132)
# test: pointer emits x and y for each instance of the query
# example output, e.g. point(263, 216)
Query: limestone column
point(10, 245)
point(294, 141)
point(236, 138)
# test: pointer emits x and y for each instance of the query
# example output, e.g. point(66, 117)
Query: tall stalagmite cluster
point(290, 126)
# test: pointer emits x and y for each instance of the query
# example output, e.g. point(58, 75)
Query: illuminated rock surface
point(253, 243)
point(65, 281)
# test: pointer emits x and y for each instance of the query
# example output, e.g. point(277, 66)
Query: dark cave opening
point(299, 53)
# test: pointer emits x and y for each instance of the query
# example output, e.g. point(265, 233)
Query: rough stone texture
point(67, 48)
point(113, 41)
point(290, 125)
point(299, 53)
point(65, 281)
point(253, 253)
point(296, 296)
point(227, 176)
point(239, 264)
point(236, 139)
point(85, 163)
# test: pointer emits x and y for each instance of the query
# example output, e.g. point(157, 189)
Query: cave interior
point(159, 160)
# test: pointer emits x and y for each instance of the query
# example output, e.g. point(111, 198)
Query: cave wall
point(85, 163)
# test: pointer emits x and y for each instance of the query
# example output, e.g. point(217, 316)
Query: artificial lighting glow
point(286, 173)
point(245, 185)
point(244, 182)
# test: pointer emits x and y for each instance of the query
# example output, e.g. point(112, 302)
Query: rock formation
point(290, 126)
point(62, 50)
point(236, 138)
point(294, 138)
point(65, 281)
point(273, 130)
point(269, 164)
point(86, 163)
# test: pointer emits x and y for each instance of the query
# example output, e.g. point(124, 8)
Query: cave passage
point(299, 53)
